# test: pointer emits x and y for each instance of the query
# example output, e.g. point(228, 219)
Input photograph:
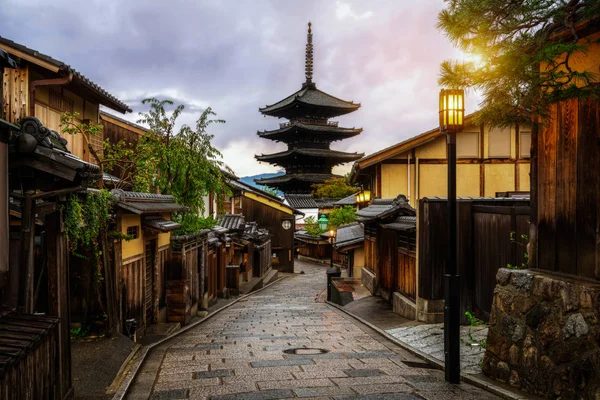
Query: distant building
point(308, 134)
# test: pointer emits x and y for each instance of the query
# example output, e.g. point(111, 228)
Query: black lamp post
point(452, 110)
point(332, 272)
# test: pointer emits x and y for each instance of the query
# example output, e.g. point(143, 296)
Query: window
point(286, 224)
point(133, 231)
point(467, 145)
point(60, 102)
point(499, 143)
point(525, 144)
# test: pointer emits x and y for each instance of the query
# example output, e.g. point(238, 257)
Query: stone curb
point(126, 384)
point(112, 389)
point(473, 380)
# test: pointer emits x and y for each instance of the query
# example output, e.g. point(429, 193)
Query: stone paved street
point(247, 352)
point(429, 339)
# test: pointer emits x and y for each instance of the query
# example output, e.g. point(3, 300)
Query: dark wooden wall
point(568, 189)
point(371, 259)
point(483, 246)
point(282, 240)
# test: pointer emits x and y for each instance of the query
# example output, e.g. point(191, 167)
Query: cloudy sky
point(238, 55)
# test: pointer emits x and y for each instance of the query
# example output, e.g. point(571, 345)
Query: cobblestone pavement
point(244, 353)
point(430, 340)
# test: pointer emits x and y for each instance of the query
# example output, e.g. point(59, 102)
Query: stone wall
point(404, 306)
point(544, 335)
point(369, 280)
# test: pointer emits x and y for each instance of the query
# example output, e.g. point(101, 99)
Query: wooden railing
point(306, 121)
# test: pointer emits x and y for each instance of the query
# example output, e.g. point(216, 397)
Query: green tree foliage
point(311, 226)
point(525, 64)
point(181, 163)
point(342, 216)
point(270, 190)
point(338, 217)
point(334, 188)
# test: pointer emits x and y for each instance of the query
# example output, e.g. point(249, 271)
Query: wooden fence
point(29, 357)
point(485, 228)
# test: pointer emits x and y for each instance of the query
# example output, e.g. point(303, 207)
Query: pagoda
point(308, 134)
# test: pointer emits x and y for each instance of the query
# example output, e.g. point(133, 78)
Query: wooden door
point(150, 257)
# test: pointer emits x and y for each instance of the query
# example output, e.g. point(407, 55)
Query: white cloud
point(344, 11)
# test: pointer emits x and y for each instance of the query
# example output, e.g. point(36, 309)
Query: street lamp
point(332, 272)
point(323, 222)
point(364, 196)
point(452, 110)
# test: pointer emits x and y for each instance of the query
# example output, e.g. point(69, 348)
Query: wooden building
point(36, 279)
point(489, 160)
point(142, 263)
point(389, 246)
point(564, 285)
point(271, 214)
point(308, 134)
point(44, 87)
point(349, 242)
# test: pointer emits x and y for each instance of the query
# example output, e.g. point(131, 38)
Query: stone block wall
point(369, 280)
point(544, 334)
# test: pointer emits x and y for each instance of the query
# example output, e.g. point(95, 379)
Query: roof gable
point(56, 66)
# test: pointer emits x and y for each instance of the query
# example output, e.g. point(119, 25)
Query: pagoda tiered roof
point(310, 101)
point(308, 134)
point(325, 156)
point(296, 182)
point(293, 131)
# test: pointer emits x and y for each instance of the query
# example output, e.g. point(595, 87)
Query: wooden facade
point(271, 214)
point(485, 228)
point(489, 160)
point(44, 87)
point(568, 189)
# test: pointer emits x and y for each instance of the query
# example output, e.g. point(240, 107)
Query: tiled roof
point(346, 201)
point(326, 203)
point(333, 155)
point(231, 221)
point(325, 131)
point(402, 223)
point(108, 99)
point(160, 224)
point(301, 201)
point(313, 97)
point(350, 234)
point(146, 203)
point(312, 178)
point(382, 208)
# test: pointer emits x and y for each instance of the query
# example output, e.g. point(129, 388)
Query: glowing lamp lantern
point(323, 222)
point(366, 196)
point(332, 233)
point(452, 109)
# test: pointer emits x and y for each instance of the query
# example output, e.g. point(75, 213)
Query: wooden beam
point(30, 58)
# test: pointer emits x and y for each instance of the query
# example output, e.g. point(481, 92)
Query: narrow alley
point(282, 343)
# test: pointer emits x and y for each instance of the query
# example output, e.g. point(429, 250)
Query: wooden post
point(58, 294)
point(25, 304)
point(532, 246)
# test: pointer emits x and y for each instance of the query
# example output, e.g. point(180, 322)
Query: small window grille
point(133, 231)
point(61, 102)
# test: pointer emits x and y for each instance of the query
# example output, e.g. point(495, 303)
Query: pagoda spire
point(309, 58)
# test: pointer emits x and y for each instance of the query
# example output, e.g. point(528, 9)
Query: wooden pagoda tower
point(308, 134)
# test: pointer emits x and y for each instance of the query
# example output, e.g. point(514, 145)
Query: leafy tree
point(342, 216)
point(270, 190)
point(525, 65)
point(181, 163)
point(312, 226)
point(527, 50)
point(114, 157)
point(334, 188)
point(338, 217)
